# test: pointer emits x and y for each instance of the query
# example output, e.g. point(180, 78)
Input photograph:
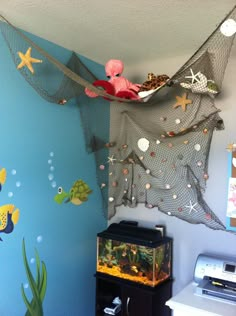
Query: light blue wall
point(31, 129)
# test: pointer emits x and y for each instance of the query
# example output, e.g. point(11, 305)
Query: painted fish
point(9, 217)
point(3, 176)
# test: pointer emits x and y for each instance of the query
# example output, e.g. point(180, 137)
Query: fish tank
point(134, 253)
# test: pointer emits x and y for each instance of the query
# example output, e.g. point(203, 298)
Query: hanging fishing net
point(158, 148)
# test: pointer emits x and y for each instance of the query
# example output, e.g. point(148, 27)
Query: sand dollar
point(143, 144)
point(228, 28)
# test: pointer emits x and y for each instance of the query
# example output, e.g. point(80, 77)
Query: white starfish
point(202, 86)
point(193, 77)
point(111, 159)
point(191, 206)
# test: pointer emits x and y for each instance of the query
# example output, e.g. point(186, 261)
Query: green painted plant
point(38, 285)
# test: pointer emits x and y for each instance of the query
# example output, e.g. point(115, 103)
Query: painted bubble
point(10, 194)
point(39, 239)
point(32, 260)
point(50, 177)
point(26, 285)
point(51, 154)
point(13, 172)
point(53, 184)
point(49, 161)
point(52, 168)
point(18, 184)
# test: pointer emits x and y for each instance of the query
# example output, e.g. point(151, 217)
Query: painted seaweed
point(38, 285)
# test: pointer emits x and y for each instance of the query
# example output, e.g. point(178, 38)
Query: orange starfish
point(182, 101)
point(27, 60)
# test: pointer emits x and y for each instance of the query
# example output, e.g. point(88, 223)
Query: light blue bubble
point(32, 260)
point(39, 239)
point(53, 184)
point(26, 285)
point(50, 177)
point(52, 168)
point(13, 172)
point(18, 184)
point(51, 154)
point(49, 161)
point(10, 194)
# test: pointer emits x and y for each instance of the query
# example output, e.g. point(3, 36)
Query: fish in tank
point(144, 261)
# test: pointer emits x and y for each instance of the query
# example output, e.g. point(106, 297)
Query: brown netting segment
point(51, 73)
point(161, 157)
point(212, 57)
point(158, 146)
point(56, 82)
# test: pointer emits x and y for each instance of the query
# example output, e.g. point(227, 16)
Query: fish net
point(156, 151)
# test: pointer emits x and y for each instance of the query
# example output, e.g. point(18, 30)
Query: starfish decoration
point(203, 85)
point(27, 60)
point(191, 206)
point(193, 77)
point(111, 159)
point(182, 101)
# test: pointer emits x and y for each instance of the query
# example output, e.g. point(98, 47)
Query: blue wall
point(36, 135)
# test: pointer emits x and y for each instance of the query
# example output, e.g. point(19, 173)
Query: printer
point(216, 277)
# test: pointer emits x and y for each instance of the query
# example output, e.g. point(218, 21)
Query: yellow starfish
point(182, 101)
point(27, 60)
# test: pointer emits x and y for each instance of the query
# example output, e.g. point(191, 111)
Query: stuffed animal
point(153, 82)
point(117, 85)
point(202, 85)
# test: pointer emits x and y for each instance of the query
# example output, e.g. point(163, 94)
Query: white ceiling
point(125, 29)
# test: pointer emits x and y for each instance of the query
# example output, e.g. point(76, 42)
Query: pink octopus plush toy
point(117, 85)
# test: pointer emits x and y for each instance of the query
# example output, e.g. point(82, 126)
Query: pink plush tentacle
point(90, 93)
point(107, 86)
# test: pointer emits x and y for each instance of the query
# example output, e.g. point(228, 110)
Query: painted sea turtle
point(77, 195)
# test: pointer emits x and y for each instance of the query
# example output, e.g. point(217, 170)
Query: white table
point(187, 303)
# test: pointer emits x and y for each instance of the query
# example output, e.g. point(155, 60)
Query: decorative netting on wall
point(158, 149)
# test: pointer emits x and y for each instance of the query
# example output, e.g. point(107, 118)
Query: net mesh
point(157, 153)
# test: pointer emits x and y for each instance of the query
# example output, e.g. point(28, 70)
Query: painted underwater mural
point(3, 176)
point(9, 216)
point(38, 285)
point(77, 195)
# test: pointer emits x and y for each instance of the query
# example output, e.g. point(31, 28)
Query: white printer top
point(216, 277)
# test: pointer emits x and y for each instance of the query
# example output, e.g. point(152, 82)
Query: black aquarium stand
point(137, 299)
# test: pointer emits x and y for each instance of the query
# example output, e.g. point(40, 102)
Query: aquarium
point(134, 253)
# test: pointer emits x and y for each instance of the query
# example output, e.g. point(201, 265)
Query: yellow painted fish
point(9, 217)
point(3, 176)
